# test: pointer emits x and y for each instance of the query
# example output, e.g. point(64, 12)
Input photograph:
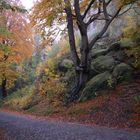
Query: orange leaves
point(45, 12)
point(16, 43)
point(21, 39)
point(48, 13)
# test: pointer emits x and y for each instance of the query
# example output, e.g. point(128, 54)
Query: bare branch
point(81, 25)
point(98, 15)
point(135, 10)
point(95, 16)
point(104, 29)
point(126, 10)
point(123, 11)
point(88, 8)
point(105, 10)
point(107, 3)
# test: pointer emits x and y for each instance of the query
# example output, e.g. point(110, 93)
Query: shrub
point(20, 99)
point(131, 34)
point(52, 89)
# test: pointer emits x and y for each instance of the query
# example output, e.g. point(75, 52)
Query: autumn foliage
point(16, 44)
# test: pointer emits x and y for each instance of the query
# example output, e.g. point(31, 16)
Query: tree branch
point(123, 11)
point(104, 29)
point(135, 10)
point(105, 10)
point(88, 8)
point(126, 10)
point(70, 27)
point(94, 17)
point(107, 3)
point(81, 25)
point(77, 10)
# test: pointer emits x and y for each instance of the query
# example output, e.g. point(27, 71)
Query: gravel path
point(26, 128)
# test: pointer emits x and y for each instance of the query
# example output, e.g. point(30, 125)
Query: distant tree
point(77, 13)
point(15, 42)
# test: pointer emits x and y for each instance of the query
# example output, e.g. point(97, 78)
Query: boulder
point(68, 78)
point(122, 72)
point(103, 63)
point(126, 44)
point(119, 55)
point(98, 52)
point(65, 65)
point(115, 47)
point(98, 83)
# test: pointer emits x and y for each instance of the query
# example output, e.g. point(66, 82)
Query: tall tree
point(78, 13)
point(15, 42)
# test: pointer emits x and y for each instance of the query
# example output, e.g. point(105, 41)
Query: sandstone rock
point(123, 72)
point(97, 83)
point(103, 63)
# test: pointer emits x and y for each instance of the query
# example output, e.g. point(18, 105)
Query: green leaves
point(7, 6)
point(5, 48)
point(5, 32)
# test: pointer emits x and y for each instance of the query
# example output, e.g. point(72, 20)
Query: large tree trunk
point(81, 64)
point(81, 79)
point(82, 72)
point(3, 86)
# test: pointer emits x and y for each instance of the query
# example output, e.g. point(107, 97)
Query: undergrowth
point(21, 99)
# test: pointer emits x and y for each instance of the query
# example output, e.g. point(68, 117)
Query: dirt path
point(24, 127)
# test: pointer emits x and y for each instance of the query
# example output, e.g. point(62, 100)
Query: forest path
point(24, 127)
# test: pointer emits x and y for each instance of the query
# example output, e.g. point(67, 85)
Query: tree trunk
point(80, 81)
point(3, 86)
point(82, 72)
point(81, 64)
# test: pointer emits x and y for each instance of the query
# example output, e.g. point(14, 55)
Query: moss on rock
point(103, 63)
point(97, 83)
point(122, 72)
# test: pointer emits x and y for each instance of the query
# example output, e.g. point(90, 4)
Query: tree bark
point(70, 27)
point(80, 81)
point(81, 64)
point(3, 86)
point(82, 71)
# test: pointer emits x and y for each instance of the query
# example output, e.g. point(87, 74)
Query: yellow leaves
point(48, 13)
point(1, 54)
point(16, 43)
point(21, 98)
point(83, 4)
point(52, 89)
point(130, 27)
point(135, 52)
point(48, 68)
point(46, 10)
point(126, 2)
point(2, 21)
point(8, 73)
point(131, 34)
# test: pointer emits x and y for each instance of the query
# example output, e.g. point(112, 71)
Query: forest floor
point(118, 108)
